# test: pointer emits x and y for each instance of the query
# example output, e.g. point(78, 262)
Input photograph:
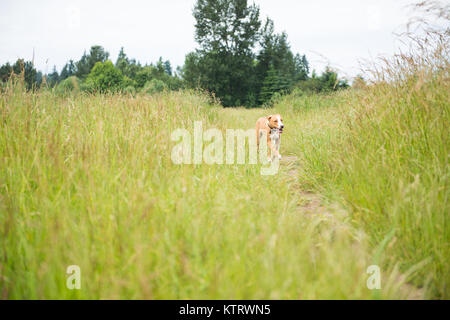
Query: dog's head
point(276, 122)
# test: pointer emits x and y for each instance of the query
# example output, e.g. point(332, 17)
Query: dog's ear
point(269, 117)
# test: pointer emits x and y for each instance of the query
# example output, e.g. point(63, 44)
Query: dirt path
point(311, 202)
point(311, 205)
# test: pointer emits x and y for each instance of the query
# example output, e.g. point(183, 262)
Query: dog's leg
point(271, 151)
point(278, 147)
point(258, 136)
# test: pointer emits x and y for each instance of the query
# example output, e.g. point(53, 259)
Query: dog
point(273, 126)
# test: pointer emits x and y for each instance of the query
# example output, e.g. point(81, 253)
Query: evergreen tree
point(122, 61)
point(83, 67)
point(276, 60)
point(160, 66)
point(331, 82)
point(87, 61)
point(27, 70)
point(5, 72)
point(38, 78)
point(68, 70)
point(128, 67)
point(53, 78)
point(132, 69)
point(301, 68)
point(272, 83)
point(168, 67)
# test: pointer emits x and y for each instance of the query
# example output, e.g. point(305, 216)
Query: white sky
point(339, 33)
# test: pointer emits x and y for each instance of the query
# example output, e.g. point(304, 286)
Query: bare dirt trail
point(311, 202)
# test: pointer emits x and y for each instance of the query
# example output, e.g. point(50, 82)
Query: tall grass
point(87, 180)
point(383, 153)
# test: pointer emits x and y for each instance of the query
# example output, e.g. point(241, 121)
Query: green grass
point(88, 180)
point(382, 153)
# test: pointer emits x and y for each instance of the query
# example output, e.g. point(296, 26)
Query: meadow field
point(88, 180)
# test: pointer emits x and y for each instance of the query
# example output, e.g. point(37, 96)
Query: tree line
point(93, 72)
point(240, 59)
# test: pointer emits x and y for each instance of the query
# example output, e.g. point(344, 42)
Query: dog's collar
point(268, 124)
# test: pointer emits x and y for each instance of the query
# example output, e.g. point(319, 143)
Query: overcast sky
point(339, 33)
